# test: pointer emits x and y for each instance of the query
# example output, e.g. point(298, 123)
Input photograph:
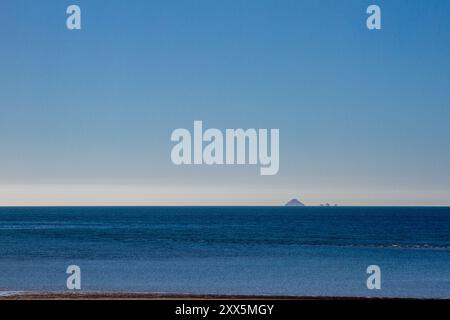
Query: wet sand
point(163, 296)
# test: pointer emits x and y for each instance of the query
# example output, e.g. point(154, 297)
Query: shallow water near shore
point(304, 251)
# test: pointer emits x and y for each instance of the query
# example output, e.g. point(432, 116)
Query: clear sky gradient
point(86, 116)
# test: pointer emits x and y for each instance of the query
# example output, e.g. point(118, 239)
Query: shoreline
point(175, 296)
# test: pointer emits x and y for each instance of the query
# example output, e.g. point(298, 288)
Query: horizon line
point(224, 206)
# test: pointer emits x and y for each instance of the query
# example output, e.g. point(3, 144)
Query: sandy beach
point(164, 296)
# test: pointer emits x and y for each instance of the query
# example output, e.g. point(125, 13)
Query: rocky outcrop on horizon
point(294, 203)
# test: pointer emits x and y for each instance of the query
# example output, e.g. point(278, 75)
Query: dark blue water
point(241, 250)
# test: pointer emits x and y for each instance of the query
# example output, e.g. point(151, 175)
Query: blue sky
point(363, 115)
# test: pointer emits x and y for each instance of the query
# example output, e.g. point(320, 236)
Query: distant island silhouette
point(294, 203)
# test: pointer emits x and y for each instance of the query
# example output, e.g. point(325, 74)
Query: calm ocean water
point(231, 250)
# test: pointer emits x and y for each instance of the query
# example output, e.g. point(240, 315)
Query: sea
point(293, 251)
